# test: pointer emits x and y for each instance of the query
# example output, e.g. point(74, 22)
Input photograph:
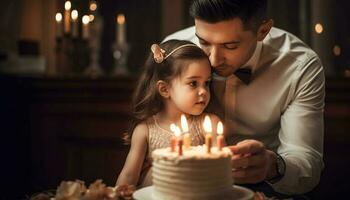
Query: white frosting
point(193, 175)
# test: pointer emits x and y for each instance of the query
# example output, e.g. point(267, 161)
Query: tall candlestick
point(75, 23)
point(121, 30)
point(58, 18)
point(220, 137)
point(208, 129)
point(67, 7)
point(85, 30)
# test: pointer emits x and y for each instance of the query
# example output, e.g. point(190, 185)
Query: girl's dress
point(160, 138)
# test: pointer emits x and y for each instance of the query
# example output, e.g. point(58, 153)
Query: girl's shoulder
point(141, 130)
point(145, 126)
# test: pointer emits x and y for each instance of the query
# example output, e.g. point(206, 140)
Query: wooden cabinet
point(65, 129)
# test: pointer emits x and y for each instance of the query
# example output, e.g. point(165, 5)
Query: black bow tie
point(244, 75)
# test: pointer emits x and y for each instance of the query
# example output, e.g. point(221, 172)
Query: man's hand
point(252, 162)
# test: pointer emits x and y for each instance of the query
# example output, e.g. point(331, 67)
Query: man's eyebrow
point(225, 43)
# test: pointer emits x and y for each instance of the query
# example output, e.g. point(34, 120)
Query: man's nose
point(215, 57)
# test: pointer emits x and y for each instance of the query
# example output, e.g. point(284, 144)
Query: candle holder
point(120, 55)
point(94, 69)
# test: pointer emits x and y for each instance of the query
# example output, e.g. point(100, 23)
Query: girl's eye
point(207, 83)
point(193, 84)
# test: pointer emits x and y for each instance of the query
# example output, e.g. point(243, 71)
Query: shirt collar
point(253, 61)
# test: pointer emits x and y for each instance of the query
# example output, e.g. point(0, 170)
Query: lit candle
point(208, 130)
point(187, 137)
point(220, 137)
point(92, 17)
point(121, 30)
point(67, 7)
point(179, 139)
point(173, 140)
point(75, 23)
point(93, 6)
point(85, 20)
point(180, 143)
point(58, 25)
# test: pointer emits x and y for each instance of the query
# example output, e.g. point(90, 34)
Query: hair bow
point(158, 53)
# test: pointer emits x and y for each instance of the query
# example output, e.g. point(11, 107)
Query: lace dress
point(160, 138)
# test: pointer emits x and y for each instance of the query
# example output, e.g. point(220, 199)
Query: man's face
point(226, 43)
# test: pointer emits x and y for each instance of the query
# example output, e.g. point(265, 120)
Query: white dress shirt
point(282, 106)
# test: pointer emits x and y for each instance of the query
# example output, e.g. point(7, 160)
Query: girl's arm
point(131, 171)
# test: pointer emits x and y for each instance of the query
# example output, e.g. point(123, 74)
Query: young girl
point(175, 81)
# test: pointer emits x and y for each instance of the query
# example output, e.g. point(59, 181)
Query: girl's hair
point(146, 100)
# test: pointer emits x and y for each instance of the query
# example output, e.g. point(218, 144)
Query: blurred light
point(318, 28)
point(74, 14)
point(93, 6)
point(92, 17)
point(337, 50)
point(120, 19)
point(86, 19)
point(347, 73)
point(58, 17)
point(67, 5)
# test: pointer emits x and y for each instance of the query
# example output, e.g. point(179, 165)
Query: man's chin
point(221, 73)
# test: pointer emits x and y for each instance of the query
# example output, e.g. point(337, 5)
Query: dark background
point(63, 125)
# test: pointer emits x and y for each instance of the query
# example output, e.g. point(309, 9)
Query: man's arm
point(302, 131)
point(301, 137)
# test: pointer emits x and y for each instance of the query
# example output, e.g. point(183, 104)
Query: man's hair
point(251, 12)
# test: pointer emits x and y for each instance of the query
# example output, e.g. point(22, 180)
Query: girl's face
point(190, 91)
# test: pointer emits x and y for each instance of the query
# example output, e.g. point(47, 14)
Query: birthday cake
point(196, 174)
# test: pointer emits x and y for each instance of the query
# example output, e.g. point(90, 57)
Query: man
point(275, 119)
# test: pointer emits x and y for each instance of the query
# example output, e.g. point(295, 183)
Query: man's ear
point(163, 89)
point(264, 29)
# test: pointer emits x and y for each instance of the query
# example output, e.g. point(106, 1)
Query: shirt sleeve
point(302, 131)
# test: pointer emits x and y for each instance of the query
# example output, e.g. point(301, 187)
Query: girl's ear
point(163, 89)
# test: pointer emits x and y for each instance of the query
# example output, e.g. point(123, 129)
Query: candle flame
point(58, 17)
point(172, 127)
point(74, 15)
point(92, 17)
point(93, 6)
point(67, 5)
point(177, 131)
point(207, 124)
point(86, 19)
point(120, 19)
point(219, 128)
point(319, 28)
point(184, 124)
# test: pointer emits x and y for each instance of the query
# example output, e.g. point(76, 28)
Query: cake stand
point(238, 193)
